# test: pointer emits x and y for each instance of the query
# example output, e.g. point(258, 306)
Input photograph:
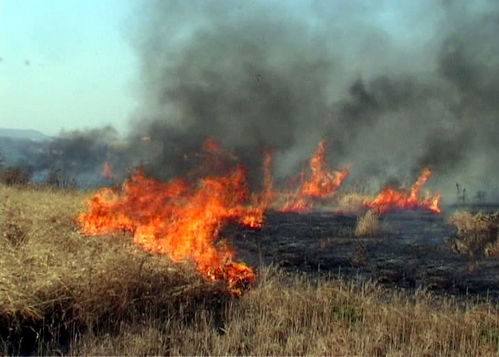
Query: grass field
point(63, 292)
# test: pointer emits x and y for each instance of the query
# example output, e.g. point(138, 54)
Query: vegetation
point(22, 176)
point(351, 202)
point(367, 225)
point(56, 178)
point(14, 175)
point(62, 292)
point(476, 233)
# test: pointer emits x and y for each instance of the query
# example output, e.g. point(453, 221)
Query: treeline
point(24, 175)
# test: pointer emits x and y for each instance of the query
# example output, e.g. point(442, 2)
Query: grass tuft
point(368, 225)
point(476, 233)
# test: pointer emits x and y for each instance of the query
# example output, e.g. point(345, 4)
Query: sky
point(68, 64)
point(65, 64)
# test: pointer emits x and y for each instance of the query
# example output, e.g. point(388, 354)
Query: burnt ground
point(411, 252)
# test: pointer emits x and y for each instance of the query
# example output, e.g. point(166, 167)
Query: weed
point(476, 234)
point(367, 225)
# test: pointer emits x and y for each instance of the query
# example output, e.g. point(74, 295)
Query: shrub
point(56, 178)
point(367, 225)
point(15, 175)
point(476, 233)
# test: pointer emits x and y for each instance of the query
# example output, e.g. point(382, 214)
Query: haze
point(64, 64)
point(67, 65)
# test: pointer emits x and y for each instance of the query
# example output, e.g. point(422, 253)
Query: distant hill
point(23, 134)
point(18, 146)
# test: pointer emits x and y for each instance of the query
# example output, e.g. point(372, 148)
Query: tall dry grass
point(476, 233)
point(367, 225)
point(351, 202)
point(294, 315)
point(61, 292)
point(55, 282)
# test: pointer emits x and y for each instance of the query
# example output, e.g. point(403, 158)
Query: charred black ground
point(411, 253)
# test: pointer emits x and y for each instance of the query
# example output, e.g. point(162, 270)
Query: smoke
point(248, 75)
point(393, 87)
point(74, 155)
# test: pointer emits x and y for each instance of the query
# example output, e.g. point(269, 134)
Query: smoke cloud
point(393, 87)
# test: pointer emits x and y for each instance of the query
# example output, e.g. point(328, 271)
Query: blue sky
point(68, 64)
point(65, 64)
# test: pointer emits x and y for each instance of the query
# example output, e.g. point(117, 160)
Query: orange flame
point(184, 218)
point(320, 182)
point(391, 198)
point(265, 198)
point(180, 219)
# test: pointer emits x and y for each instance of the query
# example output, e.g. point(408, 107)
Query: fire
point(183, 218)
point(107, 170)
point(265, 198)
point(318, 183)
point(391, 198)
point(180, 219)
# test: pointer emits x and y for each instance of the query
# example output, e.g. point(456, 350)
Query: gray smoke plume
point(74, 157)
point(393, 87)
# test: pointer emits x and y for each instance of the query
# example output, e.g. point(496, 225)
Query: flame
point(319, 182)
point(180, 219)
point(391, 198)
point(184, 218)
point(107, 170)
point(264, 199)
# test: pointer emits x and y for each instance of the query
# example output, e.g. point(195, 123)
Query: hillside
point(23, 134)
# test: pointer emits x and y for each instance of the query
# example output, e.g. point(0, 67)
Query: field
point(62, 292)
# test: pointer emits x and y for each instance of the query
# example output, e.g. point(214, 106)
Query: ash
point(409, 253)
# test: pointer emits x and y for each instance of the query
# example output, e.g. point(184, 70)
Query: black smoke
point(419, 89)
point(393, 86)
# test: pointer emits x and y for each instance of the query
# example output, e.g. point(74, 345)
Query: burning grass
point(399, 198)
point(63, 292)
point(179, 219)
point(56, 282)
point(476, 233)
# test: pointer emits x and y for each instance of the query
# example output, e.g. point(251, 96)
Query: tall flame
point(318, 182)
point(391, 198)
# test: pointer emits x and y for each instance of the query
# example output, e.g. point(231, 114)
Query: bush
point(367, 225)
point(56, 178)
point(476, 233)
point(15, 175)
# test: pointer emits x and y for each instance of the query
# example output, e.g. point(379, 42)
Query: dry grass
point(292, 315)
point(54, 279)
point(492, 249)
point(367, 225)
point(351, 202)
point(61, 292)
point(476, 233)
